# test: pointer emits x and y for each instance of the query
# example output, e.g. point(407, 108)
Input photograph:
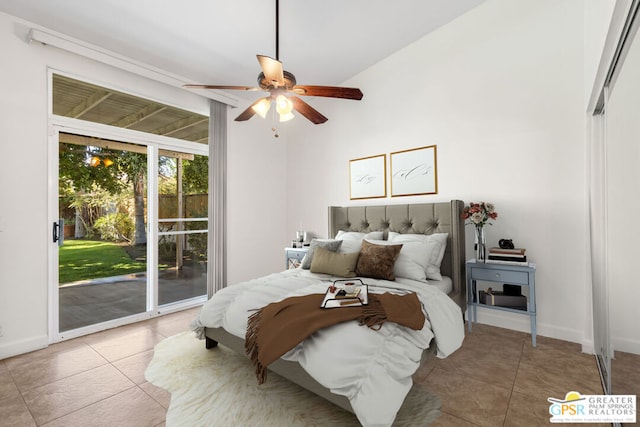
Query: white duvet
point(372, 369)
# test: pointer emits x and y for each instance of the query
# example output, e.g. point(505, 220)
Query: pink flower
point(479, 214)
point(477, 218)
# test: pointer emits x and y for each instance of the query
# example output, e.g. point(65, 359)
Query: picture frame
point(368, 177)
point(414, 172)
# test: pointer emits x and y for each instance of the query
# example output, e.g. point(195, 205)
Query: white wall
point(24, 227)
point(257, 194)
point(500, 91)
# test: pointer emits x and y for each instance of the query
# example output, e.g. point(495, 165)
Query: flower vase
point(481, 250)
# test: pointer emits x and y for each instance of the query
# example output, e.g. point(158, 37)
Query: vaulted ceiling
point(216, 41)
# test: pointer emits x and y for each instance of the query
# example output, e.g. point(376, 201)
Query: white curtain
point(217, 198)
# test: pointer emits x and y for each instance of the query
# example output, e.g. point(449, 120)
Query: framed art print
point(368, 177)
point(414, 172)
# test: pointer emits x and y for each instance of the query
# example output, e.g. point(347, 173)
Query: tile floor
point(95, 380)
point(498, 379)
point(495, 379)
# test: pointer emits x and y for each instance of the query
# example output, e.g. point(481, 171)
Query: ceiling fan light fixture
point(262, 107)
point(283, 105)
point(286, 117)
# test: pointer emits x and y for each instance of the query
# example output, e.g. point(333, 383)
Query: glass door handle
point(58, 232)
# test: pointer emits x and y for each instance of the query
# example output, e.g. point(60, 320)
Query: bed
point(391, 223)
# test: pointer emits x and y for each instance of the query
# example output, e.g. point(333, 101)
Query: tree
point(83, 168)
point(195, 177)
point(135, 165)
point(87, 172)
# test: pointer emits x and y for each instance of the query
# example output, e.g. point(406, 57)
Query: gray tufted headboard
point(421, 218)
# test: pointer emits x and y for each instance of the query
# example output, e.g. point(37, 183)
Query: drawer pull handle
point(497, 274)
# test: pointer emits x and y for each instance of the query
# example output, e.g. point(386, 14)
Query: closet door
point(622, 138)
point(597, 226)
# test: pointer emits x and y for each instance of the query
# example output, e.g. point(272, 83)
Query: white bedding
point(445, 285)
point(371, 368)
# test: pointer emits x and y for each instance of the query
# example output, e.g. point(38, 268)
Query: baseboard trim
point(626, 345)
point(15, 348)
point(522, 323)
point(588, 346)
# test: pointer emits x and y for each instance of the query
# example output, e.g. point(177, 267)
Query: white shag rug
point(218, 387)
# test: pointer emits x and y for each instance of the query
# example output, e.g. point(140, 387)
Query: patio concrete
point(95, 301)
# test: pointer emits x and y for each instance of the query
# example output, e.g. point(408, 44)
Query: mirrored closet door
point(615, 203)
point(622, 141)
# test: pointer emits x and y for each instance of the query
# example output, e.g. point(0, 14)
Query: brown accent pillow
point(377, 261)
point(327, 262)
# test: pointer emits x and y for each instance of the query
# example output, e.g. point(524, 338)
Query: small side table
point(523, 275)
point(293, 256)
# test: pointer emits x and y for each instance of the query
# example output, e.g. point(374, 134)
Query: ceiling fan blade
point(248, 113)
point(272, 69)
point(307, 110)
point(221, 87)
point(328, 91)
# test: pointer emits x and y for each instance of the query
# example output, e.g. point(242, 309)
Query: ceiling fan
point(282, 88)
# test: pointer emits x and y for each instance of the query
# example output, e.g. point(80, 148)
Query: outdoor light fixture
point(95, 161)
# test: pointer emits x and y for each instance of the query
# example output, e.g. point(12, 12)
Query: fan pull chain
point(273, 124)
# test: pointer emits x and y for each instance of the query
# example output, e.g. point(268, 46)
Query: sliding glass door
point(131, 231)
point(182, 226)
point(128, 203)
point(102, 255)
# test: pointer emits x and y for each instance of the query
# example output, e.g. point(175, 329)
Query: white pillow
point(352, 240)
point(412, 260)
point(434, 244)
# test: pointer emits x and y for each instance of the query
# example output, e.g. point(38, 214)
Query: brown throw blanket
point(278, 327)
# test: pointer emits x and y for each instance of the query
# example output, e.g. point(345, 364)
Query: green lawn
point(88, 259)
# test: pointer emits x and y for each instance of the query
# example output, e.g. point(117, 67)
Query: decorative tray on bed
point(346, 293)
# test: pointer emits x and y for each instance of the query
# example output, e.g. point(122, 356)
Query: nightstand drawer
point(296, 254)
point(515, 277)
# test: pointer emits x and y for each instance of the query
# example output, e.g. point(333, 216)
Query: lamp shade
point(286, 117)
point(283, 105)
point(262, 107)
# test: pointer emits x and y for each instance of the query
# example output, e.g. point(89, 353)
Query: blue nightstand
point(523, 275)
point(293, 256)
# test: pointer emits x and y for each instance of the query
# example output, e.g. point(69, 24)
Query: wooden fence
point(194, 206)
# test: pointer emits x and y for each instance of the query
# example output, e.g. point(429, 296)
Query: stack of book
point(515, 256)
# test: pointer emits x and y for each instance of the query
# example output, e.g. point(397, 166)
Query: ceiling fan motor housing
point(289, 81)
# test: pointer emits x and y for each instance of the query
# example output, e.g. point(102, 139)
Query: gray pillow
point(330, 245)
